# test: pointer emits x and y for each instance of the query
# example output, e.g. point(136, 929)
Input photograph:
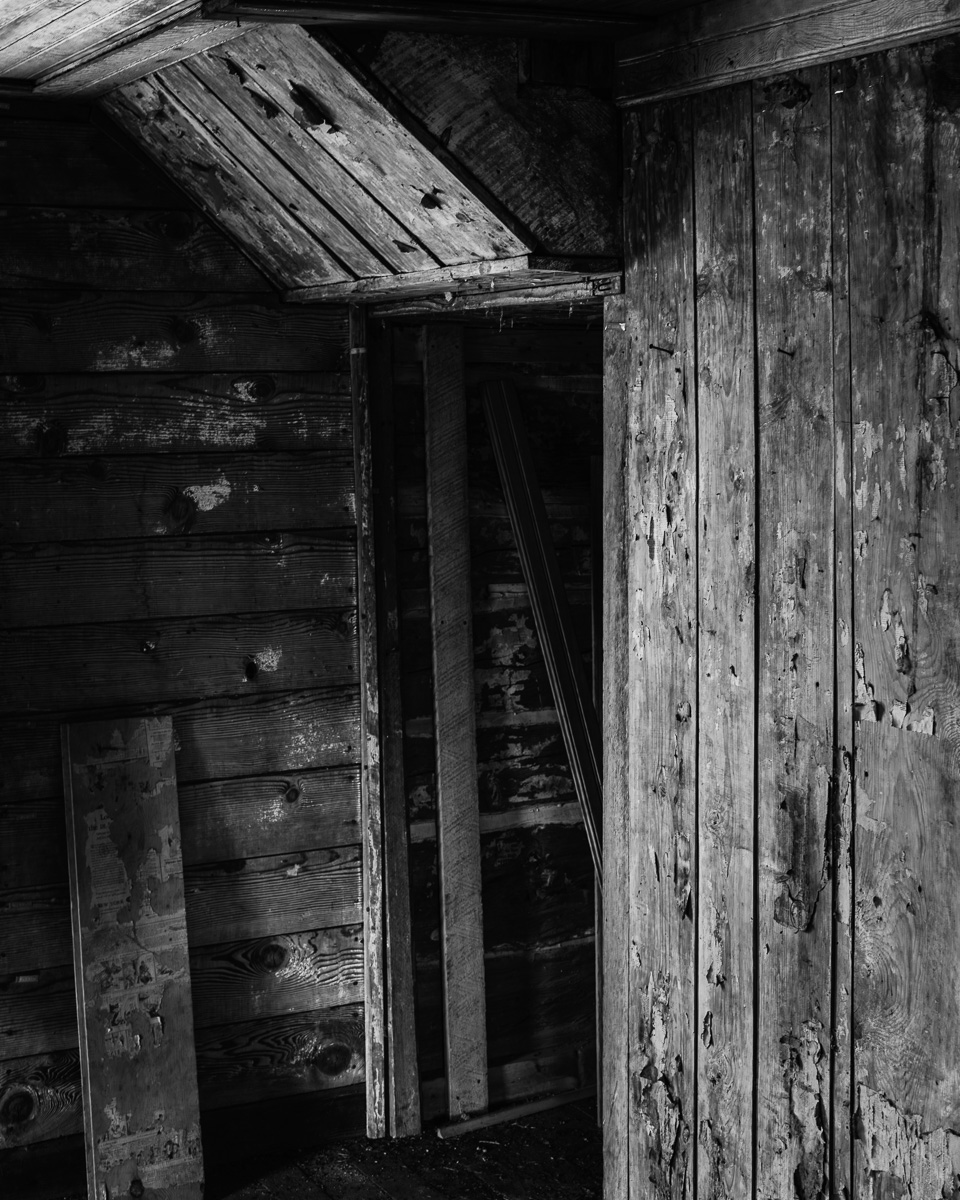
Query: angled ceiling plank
point(131, 61)
point(247, 146)
point(276, 126)
point(223, 188)
point(377, 150)
point(81, 31)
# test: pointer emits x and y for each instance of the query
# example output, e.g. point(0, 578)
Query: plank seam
point(695, 1153)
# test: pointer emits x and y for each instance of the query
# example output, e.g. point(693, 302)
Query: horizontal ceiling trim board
point(244, 141)
point(454, 16)
point(278, 243)
point(179, 40)
point(539, 298)
point(264, 103)
point(520, 270)
point(60, 35)
point(713, 45)
point(374, 146)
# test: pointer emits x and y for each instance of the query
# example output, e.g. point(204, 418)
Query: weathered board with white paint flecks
point(138, 1062)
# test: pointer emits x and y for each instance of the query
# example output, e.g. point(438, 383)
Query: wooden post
point(551, 610)
point(371, 809)
point(132, 973)
point(403, 1082)
point(458, 815)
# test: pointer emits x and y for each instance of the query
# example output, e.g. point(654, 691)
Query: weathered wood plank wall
point(782, 444)
point(179, 536)
point(536, 873)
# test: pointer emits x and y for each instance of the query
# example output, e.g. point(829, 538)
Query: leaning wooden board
point(138, 1062)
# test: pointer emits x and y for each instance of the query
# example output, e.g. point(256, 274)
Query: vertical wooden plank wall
point(179, 536)
point(822, 541)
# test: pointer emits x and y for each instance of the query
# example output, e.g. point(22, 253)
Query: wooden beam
point(403, 1083)
point(543, 295)
point(138, 1062)
point(713, 45)
point(371, 796)
point(490, 275)
point(551, 610)
point(455, 16)
point(458, 816)
point(132, 61)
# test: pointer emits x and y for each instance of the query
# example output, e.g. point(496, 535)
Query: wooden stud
point(454, 720)
point(141, 1116)
point(403, 1082)
point(712, 45)
point(554, 624)
point(727, 565)
point(371, 793)
point(795, 735)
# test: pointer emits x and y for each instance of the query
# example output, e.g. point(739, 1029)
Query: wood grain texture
point(726, 649)
point(843, 641)
point(66, 414)
point(660, 445)
point(616, 963)
point(250, 137)
point(128, 249)
point(547, 155)
point(260, 897)
point(228, 738)
point(264, 104)
point(458, 806)
point(38, 41)
point(181, 39)
point(39, 1098)
point(235, 197)
point(285, 973)
point(709, 46)
point(132, 970)
point(72, 583)
point(403, 1096)
point(232, 981)
point(376, 981)
point(170, 331)
point(279, 1056)
point(795, 736)
point(393, 165)
point(132, 496)
point(903, 202)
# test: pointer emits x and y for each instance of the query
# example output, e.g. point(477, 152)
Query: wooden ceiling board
point(373, 146)
point(224, 188)
point(65, 32)
point(307, 158)
point(131, 61)
point(247, 146)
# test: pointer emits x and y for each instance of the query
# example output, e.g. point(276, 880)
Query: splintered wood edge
point(525, 272)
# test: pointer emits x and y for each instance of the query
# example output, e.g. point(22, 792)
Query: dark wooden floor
point(553, 1155)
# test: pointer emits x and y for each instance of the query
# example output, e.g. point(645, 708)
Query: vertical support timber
point(458, 817)
point(726, 404)
point(795, 735)
point(403, 1084)
point(131, 968)
point(371, 800)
